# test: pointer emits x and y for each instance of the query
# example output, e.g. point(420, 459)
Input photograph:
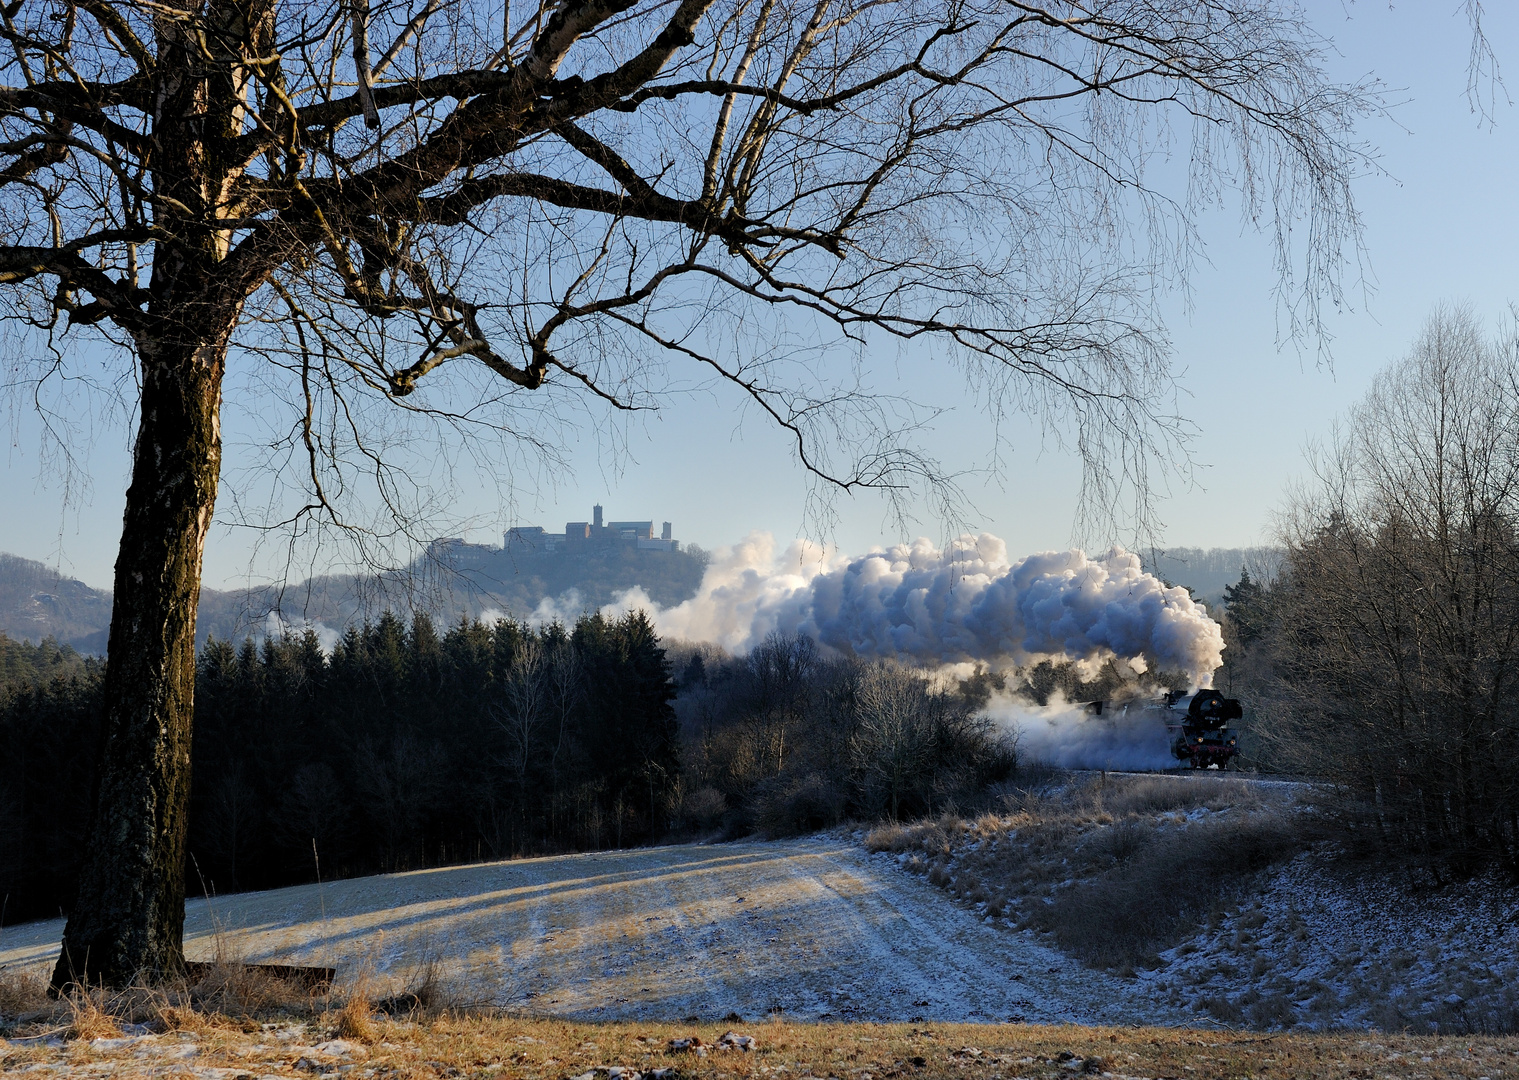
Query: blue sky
point(1441, 226)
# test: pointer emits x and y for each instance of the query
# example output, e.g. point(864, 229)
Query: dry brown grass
point(542, 1049)
point(192, 1021)
point(21, 991)
point(227, 994)
point(355, 1020)
point(228, 998)
point(90, 1015)
point(236, 989)
point(1096, 863)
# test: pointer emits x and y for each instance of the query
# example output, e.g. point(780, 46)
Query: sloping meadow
point(1116, 868)
point(1232, 900)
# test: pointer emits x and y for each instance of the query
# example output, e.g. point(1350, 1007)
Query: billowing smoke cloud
point(1071, 737)
point(931, 608)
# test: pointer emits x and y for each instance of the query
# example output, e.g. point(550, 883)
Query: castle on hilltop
point(586, 536)
point(578, 538)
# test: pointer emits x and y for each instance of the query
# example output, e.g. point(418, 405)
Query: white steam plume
point(1071, 737)
point(931, 608)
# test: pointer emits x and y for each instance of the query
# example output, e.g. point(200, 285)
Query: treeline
point(22, 663)
point(403, 748)
point(49, 729)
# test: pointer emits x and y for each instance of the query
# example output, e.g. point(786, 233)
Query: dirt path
point(815, 928)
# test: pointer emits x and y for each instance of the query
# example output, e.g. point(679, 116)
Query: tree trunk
point(128, 920)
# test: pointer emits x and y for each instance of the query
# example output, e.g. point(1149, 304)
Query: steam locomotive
point(1202, 735)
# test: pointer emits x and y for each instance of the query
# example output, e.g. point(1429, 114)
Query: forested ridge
point(406, 747)
point(403, 748)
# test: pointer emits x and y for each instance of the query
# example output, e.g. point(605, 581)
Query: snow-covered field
point(814, 928)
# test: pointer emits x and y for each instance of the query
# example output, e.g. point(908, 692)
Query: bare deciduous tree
point(1397, 643)
point(482, 213)
point(894, 733)
point(525, 705)
point(396, 786)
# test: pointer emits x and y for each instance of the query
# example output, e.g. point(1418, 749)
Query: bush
point(790, 807)
point(1164, 794)
point(703, 809)
point(1165, 889)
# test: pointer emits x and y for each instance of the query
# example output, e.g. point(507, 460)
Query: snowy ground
point(1318, 948)
point(815, 928)
point(1313, 942)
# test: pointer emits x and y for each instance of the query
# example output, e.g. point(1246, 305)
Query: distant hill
point(1207, 571)
point(466, 581)
point(37, 602)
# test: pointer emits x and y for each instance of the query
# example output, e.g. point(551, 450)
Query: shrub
point(1166, 890)
point(890, 837)
point(792, 807)
point(703, 809)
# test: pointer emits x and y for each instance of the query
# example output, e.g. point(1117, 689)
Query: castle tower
point(596, 516)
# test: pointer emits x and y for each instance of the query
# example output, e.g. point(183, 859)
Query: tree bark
point(128, 920)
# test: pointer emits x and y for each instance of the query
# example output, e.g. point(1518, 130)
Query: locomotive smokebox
point(1205, 739)
point(1210, 710)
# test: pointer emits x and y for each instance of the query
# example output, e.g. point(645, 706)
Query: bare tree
point(565, 691)
point(312, 813)
point(396, 785)
point(483, 215)
point(893, 740)
point(1397, 645)
point(233, 823)
point(782, 673)
point(524, 708)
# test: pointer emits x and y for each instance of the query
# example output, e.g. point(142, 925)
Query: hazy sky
point(1442, 225)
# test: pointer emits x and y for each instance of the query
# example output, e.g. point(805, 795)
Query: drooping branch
point(869, 133)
